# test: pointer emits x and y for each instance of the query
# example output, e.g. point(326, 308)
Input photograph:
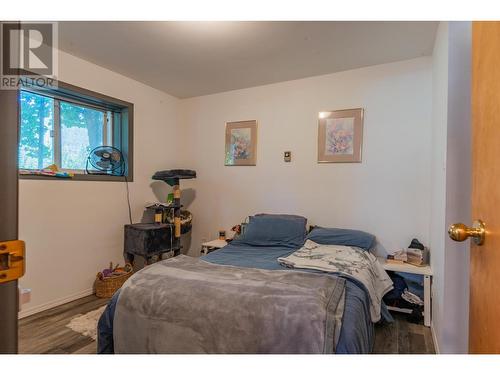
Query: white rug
point(86, 324)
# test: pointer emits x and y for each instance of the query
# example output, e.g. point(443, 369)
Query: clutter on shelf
point(159, 205)
point(416, 254)
point(398, 257)
point(50, 171)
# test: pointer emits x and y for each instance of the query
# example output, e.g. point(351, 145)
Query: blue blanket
point(356, 336)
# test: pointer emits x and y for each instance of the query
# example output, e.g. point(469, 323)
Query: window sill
point(76, 177)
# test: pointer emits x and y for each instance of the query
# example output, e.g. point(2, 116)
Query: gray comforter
point(187, 305)
point(348, 261)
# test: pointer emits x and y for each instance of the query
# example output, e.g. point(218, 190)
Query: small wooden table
point(207, 247)
point(426, 272)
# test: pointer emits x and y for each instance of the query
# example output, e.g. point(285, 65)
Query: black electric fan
point(105, 160)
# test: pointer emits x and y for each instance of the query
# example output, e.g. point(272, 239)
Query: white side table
point(426, 272)
point(209, 246)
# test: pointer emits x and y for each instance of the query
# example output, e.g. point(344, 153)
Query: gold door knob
point(460, 232)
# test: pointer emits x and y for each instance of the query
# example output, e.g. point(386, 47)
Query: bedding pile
point(187, 305)
point(348, 261)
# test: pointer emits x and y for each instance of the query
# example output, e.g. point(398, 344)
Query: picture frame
point(241, 143)
point(340, 136)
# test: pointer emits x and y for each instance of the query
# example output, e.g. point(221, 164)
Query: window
point(63, 127)
point(36, 147)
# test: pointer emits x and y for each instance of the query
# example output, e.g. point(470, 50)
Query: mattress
point(357, 333)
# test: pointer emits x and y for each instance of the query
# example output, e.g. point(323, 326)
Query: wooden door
point(484, 322)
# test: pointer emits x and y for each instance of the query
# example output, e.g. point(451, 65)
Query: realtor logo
point(29, 54)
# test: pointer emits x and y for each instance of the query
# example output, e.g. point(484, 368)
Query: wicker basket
point(105, 287)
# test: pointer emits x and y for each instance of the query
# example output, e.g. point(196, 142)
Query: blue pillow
point(346, 237)
point(302, 219)
point(274, 230)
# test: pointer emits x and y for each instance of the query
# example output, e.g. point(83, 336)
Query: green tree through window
point(82, 130)
point(36, 146)
point(63, 137)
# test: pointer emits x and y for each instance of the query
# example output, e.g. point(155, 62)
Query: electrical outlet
point(24, 296)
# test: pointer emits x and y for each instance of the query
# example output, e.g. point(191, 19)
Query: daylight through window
point(60, 131)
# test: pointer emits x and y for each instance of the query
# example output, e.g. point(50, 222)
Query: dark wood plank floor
point(46, 332)
point(403, 337)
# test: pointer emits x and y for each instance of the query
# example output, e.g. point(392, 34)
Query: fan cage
point(117, 166)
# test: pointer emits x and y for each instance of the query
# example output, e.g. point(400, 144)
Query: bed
point(357, 328)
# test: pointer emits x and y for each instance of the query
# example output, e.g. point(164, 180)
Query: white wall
point(451, 188)
point(75, 228)
point(438, 173)
point(388, 194)
point(458, 187)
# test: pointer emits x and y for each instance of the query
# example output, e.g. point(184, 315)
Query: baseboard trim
point(55, 303)
point(434, 338)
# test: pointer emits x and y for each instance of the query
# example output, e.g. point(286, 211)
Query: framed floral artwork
point(241, 143)
point(340, 136)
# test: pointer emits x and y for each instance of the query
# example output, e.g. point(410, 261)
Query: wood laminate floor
point(403, 337)
point(46, 333)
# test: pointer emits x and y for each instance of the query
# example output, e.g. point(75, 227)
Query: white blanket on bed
point(351, 262)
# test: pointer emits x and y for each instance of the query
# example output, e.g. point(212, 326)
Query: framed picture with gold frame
point(241, 143)
point(340, 136)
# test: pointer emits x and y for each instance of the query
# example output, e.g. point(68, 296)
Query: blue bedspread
point(356, 336)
